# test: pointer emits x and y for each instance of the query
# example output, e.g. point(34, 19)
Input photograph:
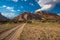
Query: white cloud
point(31, 4)
point(45, 7)
point(15, 0)
point(12, 10)
point(9, 15)
point(4, 6)
point(9, 8)
point(47, 4)
point(25, 0)
point(18, 10)
point(59, 14)
point(57, 1)
point(54, 0)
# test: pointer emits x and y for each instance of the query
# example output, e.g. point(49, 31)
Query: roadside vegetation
point(41, 30)
point(4, 26)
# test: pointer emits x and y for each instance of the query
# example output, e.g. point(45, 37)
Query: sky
point(12, 8)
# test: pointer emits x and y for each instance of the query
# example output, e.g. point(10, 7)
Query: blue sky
point(12, 8)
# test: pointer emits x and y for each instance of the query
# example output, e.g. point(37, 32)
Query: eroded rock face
point(48, 16)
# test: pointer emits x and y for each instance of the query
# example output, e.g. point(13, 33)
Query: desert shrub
point(29, 21)
point(15, 22)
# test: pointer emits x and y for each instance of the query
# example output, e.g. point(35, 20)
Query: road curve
point(12, 34)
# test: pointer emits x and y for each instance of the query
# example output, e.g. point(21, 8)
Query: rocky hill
point(27, 16)
point(48, 16)
point(40, 15)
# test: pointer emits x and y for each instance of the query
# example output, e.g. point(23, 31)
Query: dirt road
point(12, 34)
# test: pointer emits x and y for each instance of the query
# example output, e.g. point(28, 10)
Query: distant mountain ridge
point(40, 15)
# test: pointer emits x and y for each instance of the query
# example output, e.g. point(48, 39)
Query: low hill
point(3, 18)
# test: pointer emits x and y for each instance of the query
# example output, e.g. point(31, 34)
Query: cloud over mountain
point(9, 15)
point(47, 4)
